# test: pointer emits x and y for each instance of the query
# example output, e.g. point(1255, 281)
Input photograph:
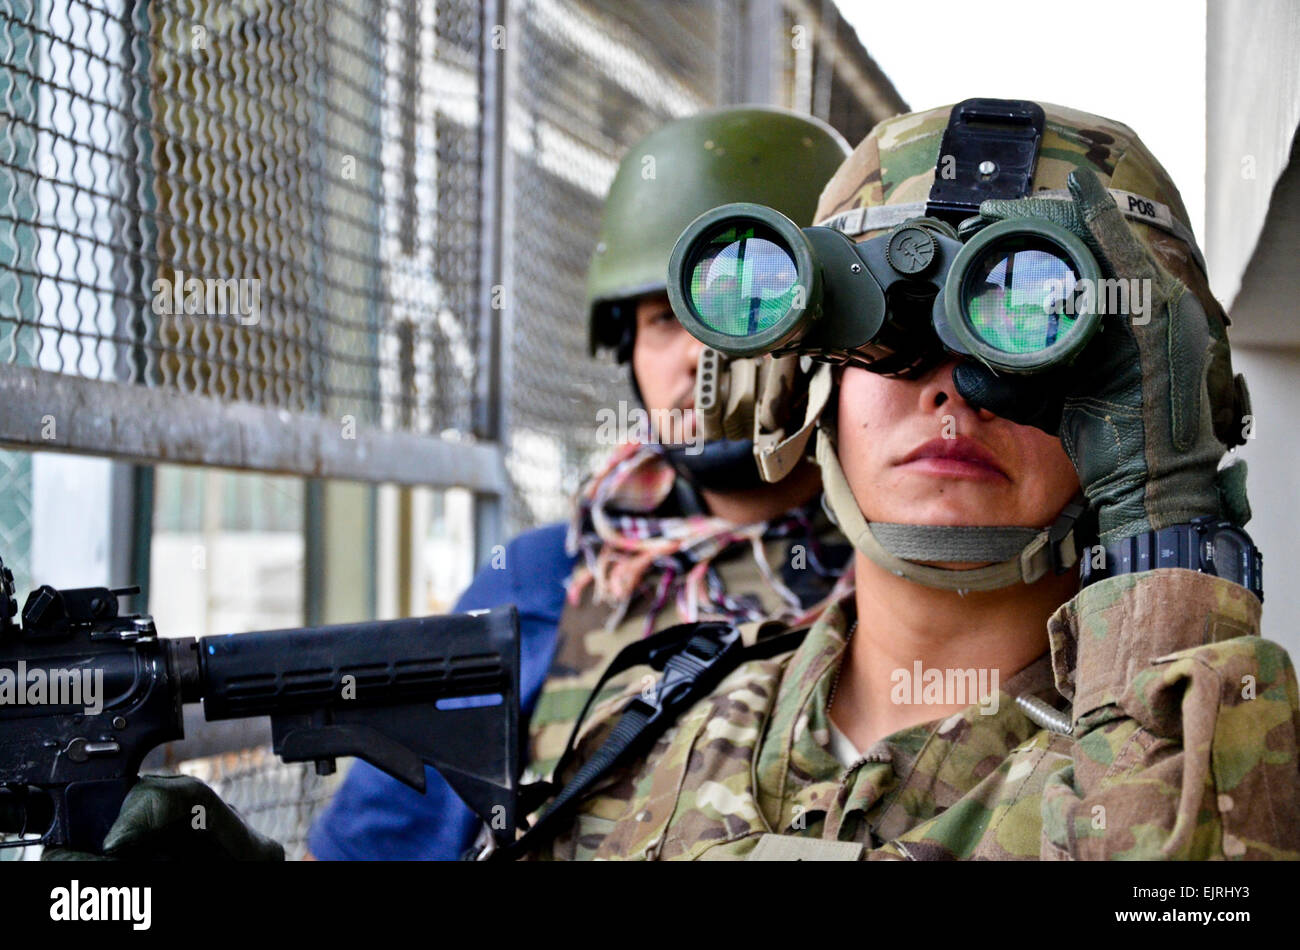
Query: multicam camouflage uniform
point(1184, 746)
point(773, 156)
point(588, 642)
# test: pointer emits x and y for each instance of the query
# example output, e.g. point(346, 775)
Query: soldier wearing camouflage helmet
point(968, 699)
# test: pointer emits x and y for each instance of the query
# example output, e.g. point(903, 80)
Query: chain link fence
point(259, 203)
point(592, 78)
point(290, 206)
point(267, 202)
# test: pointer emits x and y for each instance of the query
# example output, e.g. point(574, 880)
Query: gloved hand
point(1147, 410)
point(176, 818)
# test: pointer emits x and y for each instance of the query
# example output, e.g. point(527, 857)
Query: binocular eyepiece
point(746, 280)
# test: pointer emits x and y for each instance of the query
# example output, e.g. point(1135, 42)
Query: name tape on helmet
point(1144, 209)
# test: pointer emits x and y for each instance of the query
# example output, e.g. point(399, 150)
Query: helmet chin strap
point(1011, 555)
point(716, 465)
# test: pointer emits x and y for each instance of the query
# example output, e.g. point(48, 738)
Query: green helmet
point(675, 174)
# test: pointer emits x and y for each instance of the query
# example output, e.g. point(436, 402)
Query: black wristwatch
point(1206, 544)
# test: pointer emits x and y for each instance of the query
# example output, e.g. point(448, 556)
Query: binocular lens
point(1018, 295)
point(743, 280)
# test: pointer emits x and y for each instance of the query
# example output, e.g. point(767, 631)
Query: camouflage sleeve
point(1185, 725)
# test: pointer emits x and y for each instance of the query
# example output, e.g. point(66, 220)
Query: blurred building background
point(416, 186)
point(1252, 247)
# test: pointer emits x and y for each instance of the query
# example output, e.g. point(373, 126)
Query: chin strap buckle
point(1063, 536)
point(1058, 546)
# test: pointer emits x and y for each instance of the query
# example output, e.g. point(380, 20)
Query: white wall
point(212, 582)
point(1252, 204)
point(1252, 108)
point(1274, 484)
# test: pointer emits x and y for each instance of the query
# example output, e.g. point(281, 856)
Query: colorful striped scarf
point(627, 552)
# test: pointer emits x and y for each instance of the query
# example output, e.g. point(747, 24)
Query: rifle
point(86, 693)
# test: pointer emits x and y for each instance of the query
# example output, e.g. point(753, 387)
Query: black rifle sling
point(694, 658)
point(653, 651)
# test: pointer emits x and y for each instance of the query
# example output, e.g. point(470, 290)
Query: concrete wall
point(1274, 484)
point(1252, 102)
point(1253, 251)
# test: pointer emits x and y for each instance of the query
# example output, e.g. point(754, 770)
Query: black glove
point(1147, 410)
point(176, 818)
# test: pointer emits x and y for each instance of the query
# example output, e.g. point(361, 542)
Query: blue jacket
point(375, 817)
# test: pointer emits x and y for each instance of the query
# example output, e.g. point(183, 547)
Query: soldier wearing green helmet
point(1006, 680)
point(684, 168)
point(764, 155)
point(675, 532)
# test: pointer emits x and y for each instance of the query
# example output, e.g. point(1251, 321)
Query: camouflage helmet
point(895, 166)
point(674, 174)
point(886, 180)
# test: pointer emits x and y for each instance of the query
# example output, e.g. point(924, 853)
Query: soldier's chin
point(956, 565)
point(943, 502)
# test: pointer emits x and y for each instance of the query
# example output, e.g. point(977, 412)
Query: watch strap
point(1189, 545)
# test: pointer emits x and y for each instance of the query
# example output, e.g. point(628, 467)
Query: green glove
point(176, 818)
point(1147, 410)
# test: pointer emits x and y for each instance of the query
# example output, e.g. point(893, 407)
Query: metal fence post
point(313, 551)
point(762, 20)
point(489, 528)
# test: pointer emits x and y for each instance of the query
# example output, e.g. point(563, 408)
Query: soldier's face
point(664, 358)
point(914, 452)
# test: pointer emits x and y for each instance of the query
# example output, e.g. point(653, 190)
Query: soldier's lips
point(955, 458)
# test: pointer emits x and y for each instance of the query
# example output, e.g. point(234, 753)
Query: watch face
point(1229, 555)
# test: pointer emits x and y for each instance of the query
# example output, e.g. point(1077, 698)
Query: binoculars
point(746, 280)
